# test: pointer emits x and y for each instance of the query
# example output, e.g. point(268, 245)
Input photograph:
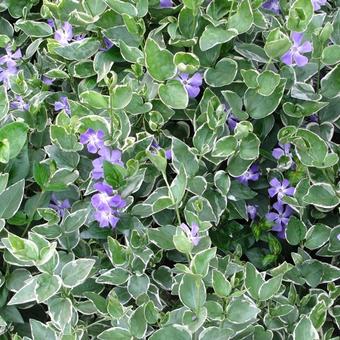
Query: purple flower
point(314, 118)
point(106, 218)
point(295, 53)
point(79, 37)
point(47, 81)
point(192, 233)
point(231, 119)
point(252, 174)
point(280, 217)
point(338, 237)
point(192, 85)
point(272, 5)
point(65, 34)
point(19, 104)
point(62, 104)
point(93, 139)
point(112, 156)
point(107, 43)
point(105, 200)
point(168, 154)
point(282, 150)
point(59, 206)
point(318, 3)
point(165, 3)
point(280, 189)
point(252, 211)
point(9, 58)
point(50, 22)
point(6, 73)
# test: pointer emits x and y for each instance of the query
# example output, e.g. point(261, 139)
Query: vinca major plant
point(169, 169)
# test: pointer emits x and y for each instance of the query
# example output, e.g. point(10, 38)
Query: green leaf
point(181, 154)
point(259, 106)
point(214, 36)
point(76, 272)
point(10, 199)
point(300, 15)
point(221, 285)
point(296, 231)
point(253, 280)
point(224, 147)
point(200, 262)
point(243, 19)
point(78, 50)
point(269, 288)
point(122, 7)
point(159, 61)
point(138, 324)
point(15, 134)
point(116, 333)
point(173, 94)
point(60, 310)
point(114, 174)
point(74, 221)
point(179, 184)
point(4, 105)
point(317, 236)
point(95, 99)
point(34, 28)
point(192, 292)
point(331, 55)
point(121, 96)
point(330, 84)
point(277, 44)
point(171, 332)
point(267, 81)
point(249, 147)
point(138, 285)
point(304, 330)
point(47, 286)
point(42, 331)
point(222, 74)
point(186, 62)
point(241, 310)
point(321, 195)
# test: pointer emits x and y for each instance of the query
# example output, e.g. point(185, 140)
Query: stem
point(172, 198)
point(111, 113)
point(268, 64)
point(231, 9)
point(318, 78)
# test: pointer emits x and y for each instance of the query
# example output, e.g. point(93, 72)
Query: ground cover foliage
point(168, 169)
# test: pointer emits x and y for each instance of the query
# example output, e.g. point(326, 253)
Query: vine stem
point(172, 198)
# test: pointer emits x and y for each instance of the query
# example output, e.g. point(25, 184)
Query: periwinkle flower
point(19, 104)
point(231, 119)
point(107, 44)
point(252, 211)
point(192, 85)
point(62, 104)
point(252, 174)
point(280, 189)
point(282, 150)
point(314, 118)
point(192, 232)
point(105, 200)
point(50, 23)
point(79, 37)
point(65, 34)
point(280, 217)
point(168, 153)
point(165, 3)
point(318, 3)
point(93, 139)
point(106, 218)
point(106, 154)
point(272, 5)
point(10, 58)
point(60, 206)
point(6, 73)
point(295, 54)
point(47, 81)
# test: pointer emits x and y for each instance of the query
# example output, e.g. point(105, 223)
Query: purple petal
point(275, 183)
point(195, 80)
point(305, 47)
point(271, 216)
point(285, 183)
point(289, 191)
point(165, 3)
point(272, 192)
point(185, 228)
point(287, 58)
point(193, 91)
point(300, 59)
point(297, 37)
point(277, 153)
point(278, 206)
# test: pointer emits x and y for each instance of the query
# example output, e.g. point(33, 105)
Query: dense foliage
point(168, 169)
